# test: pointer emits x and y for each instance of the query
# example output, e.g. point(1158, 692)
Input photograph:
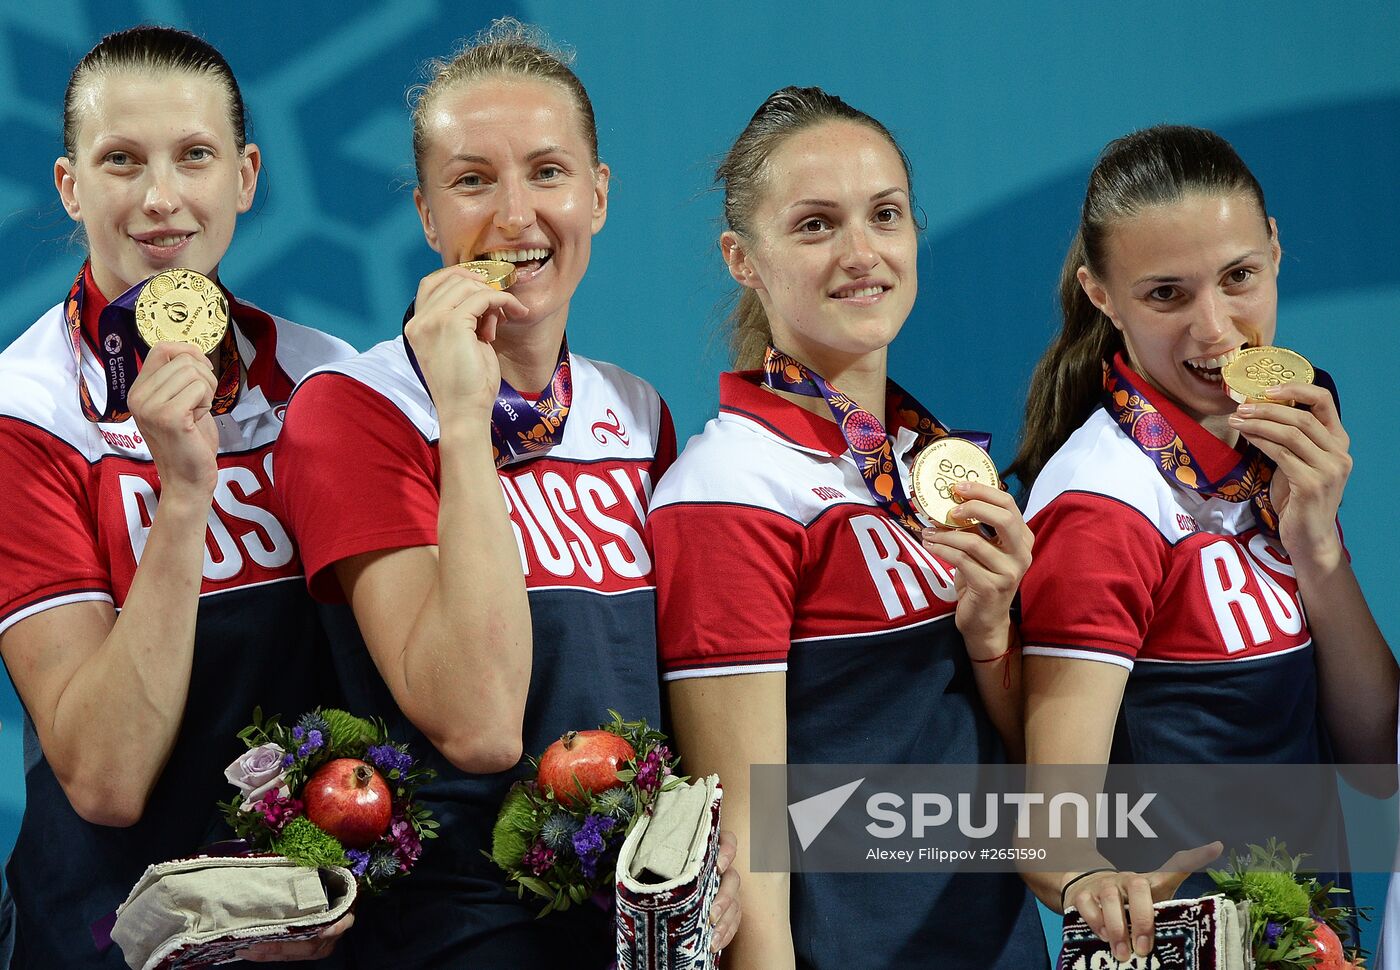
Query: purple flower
point(278, 810)
point(258, 771)
point(358, 861)
point(589, 842)
point(388, 758)
point(405, 841)
point(1272, 931)
point(653, 769)
point(539, 859)
point(298, 733)
point(313, 742)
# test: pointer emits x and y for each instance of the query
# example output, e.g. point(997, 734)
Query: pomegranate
point(348, 799)
point(592, 757)
point(1329, 954)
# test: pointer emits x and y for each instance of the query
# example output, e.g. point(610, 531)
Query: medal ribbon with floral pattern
point(119, 346)
point(520, 428)
point(865, 436)
point(1154, 435)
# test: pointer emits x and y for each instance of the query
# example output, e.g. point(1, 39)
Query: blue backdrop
point(1002, 108)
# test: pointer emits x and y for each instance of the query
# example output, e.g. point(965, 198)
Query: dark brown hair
point(743, 174)
point(151, 48)
point(1153, 167)
point(506, 48)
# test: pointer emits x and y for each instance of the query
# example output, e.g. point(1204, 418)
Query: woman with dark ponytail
point(804, 615)
point(150, 597)
point(1177, 533)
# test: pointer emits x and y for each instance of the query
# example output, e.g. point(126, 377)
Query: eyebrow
point(1252, 254)
point(483, 160)
point(831, 204)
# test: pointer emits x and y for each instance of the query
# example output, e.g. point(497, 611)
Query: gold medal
point(1255, 370)
point(183, 306)
point(498, 274)
point(943, 464)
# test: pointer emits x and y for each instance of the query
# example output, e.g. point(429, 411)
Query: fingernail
point(1235, 419)
point(1122, 952)
point(1245, 409)
point(960, 488)
point(1276, 391)
point(1143, 946)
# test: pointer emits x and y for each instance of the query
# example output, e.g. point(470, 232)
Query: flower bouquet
point(1294, 924)
point(557, 835)
point(333, 790)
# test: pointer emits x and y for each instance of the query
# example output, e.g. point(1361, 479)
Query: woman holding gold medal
point(425, 476)
point(150, 594)
point(1184, 483)
point(801, 618)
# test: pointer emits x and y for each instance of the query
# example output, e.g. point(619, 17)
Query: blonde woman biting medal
point(151, 597)
point(477, 493)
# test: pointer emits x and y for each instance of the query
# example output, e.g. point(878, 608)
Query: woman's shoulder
point(38, 379)
point(1099, 461)
point(731, 462)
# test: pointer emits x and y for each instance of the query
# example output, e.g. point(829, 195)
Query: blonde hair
point(507, 48)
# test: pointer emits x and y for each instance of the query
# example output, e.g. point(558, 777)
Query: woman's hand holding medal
point(171, 400)
point(989, 562)
point(1298, 427)
point(456, 314)
point(978, 530)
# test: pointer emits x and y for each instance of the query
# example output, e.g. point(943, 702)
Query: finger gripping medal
point(183, 306)
point(1255, 370)
point(497, 273)
point(944, 463)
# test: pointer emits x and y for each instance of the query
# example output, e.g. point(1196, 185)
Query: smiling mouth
point(1208, 368)
point(166, 241)
point(528, 261)
point(857, 292)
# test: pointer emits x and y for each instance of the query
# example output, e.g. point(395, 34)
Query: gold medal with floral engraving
point(182, 306)
point(498, 274)
point(940, 466)
point(1256, 369)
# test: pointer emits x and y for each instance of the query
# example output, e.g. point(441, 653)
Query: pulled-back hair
point(151, 49)
point(507, 48)
point(743, 175)
point(1153, 167)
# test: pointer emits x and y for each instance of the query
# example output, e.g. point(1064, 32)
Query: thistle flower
point(617, 802)
point(558, 830)
point(383, 863)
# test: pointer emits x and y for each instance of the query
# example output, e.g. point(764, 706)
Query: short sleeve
point(1089, 592)
point(665, 444)
point(353, 475)
point(727, 579)
point(49, 543)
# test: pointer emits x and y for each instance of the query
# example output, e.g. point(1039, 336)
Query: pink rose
point(258, 771)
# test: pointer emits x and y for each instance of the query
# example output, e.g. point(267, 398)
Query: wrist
point(988, 640)
point(1318, 559)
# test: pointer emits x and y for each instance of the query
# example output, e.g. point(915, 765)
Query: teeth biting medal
point(944, 463)
point(183, 306)
point(497, 273)
point(1256, 369)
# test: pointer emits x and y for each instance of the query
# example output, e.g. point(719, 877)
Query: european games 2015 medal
point(1255, 370)
point(944, 463)
point(498, 274)
point(183, 306)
